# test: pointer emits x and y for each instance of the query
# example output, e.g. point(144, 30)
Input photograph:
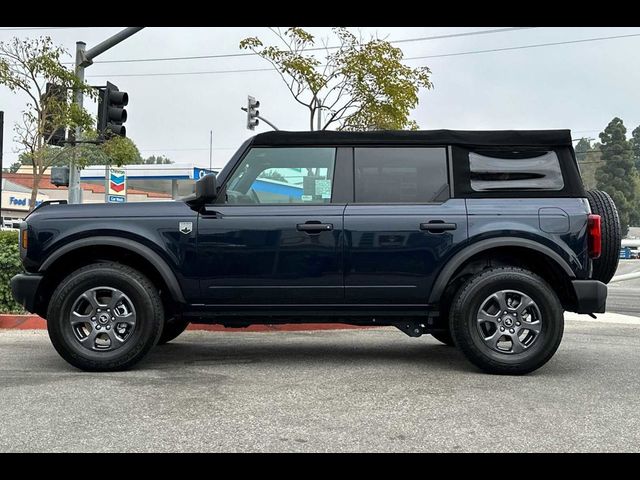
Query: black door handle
point(211, 211)
point(314, 227)
point(438, 227)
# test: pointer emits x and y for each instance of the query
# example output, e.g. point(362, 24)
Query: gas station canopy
point(171, 171)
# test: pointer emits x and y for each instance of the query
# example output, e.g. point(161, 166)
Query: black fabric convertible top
point(546, 138)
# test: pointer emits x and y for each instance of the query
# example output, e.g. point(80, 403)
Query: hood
point(175, 208)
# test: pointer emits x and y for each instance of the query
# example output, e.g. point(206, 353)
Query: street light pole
point(84, 58)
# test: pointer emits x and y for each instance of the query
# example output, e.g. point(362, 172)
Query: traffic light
point(252, 113)
point(60, 176)
point(56, 96)
point(111, 112)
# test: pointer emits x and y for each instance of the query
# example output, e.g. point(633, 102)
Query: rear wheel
point(604, 268)
point(507, 320)
point(105, 317)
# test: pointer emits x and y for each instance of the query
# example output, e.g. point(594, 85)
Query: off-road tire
point(149, 316)
point(464, 311)
point(604, 268)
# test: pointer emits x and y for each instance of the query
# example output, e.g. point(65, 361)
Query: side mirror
point(206, 188)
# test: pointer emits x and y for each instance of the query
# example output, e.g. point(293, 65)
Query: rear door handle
point(438, 227)
point(314, 227)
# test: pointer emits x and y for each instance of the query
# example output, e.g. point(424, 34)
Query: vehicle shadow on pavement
point(326, 354)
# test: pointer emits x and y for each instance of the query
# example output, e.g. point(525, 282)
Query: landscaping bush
point(9, 266)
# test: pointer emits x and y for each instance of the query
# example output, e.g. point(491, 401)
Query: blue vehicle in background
point(481, 239)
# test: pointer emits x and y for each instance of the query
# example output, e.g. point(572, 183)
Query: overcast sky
point(580, 86)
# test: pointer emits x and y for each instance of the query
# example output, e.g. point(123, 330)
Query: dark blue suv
point(481, 239)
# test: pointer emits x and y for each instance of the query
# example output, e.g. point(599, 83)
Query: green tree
point(589, 160)
point(156, 160)
point(583, 147)
point(26, 67)
point(361, 85)
point(634, 217)
point(13, 168)
point(273, 175)
point(618, 175)
point(87, 154)
point(635, 145)
point(589, 165)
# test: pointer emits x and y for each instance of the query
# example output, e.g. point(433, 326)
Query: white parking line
point(625, 276)
point(603, 318)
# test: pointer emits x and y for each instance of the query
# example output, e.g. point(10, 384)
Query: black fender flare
point(461, 257)
point(156, 260)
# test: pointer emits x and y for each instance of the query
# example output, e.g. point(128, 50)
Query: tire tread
point(471, 351)
point(134, 355)
point(604, 268)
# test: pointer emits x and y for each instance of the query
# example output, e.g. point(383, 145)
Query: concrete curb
point(34, 322)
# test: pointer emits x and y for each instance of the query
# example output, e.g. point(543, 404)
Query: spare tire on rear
point(604, 268)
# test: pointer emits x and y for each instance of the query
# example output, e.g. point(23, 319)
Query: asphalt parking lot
point(623, 296)
point(348, 390)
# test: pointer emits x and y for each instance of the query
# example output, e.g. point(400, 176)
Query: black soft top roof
point(546, 138)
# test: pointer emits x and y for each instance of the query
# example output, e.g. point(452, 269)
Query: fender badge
point(185, 227)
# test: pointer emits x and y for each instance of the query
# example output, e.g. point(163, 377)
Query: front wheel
point(105, 317)
point(507, 320)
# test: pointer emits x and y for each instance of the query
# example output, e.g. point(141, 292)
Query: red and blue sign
point(117, 186)
point(117, 183)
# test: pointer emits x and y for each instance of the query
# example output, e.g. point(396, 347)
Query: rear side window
point(401, 175)
point(515, 171)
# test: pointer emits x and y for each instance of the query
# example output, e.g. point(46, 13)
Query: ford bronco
point(480, 238)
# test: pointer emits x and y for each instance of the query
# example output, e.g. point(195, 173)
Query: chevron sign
point(117, 185)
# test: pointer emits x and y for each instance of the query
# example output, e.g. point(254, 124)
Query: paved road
point(624, 297)
point(367, 390)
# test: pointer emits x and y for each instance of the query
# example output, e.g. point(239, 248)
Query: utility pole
point(210, 149)
point(84, 58)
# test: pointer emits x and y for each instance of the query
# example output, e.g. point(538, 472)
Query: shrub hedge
point(9, 266)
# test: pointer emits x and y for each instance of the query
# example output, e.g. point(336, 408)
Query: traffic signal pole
point(75, 192)
point(84, 58)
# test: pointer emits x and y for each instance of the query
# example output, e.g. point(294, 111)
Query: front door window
point(298, 176)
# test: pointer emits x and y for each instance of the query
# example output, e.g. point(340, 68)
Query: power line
point(312, 49)
point(463, 34)
point(522, 47)
point(182, 73)
point(39, 28)
point(248, 70)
